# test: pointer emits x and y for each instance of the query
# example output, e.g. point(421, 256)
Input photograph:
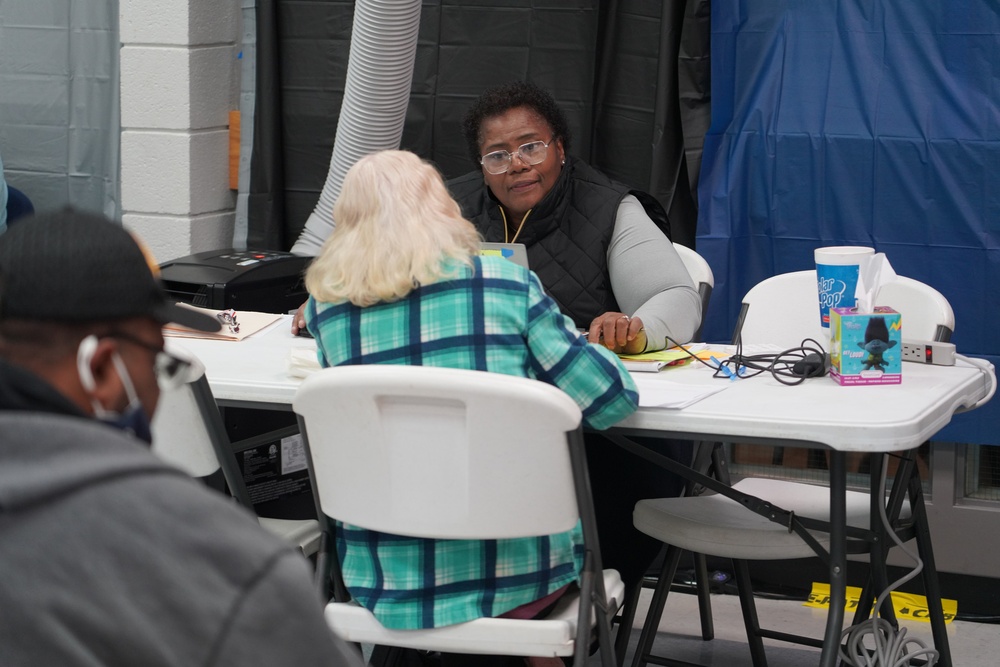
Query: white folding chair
point(704, 280)
point(784, 310)
point(457, 454)
point(188, 433)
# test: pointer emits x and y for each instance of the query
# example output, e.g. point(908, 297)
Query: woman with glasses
point(401, 281)
point(590, 240)
point(600, 255)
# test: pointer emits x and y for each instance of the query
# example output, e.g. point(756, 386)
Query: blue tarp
point(858, 122)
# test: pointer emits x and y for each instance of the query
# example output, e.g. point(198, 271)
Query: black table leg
point(838, 559)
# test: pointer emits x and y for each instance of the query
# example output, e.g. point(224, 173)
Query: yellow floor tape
point(906, 605)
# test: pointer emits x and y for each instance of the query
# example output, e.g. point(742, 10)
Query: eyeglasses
point(532, 152)
point(171, 371)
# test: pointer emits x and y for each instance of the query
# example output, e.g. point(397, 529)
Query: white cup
point(837, 277)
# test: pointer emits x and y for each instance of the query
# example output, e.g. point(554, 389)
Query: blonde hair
point(396, 229)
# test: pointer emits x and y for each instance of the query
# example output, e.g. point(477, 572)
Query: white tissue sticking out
point(874, 271)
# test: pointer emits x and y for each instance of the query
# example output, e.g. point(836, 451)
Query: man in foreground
point(108, 556)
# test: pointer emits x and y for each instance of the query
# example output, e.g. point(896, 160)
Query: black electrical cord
point(791, 366)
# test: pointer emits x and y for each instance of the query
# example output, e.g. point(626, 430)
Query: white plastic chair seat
point(552, 636)
point(303, 533)
point(718, 526)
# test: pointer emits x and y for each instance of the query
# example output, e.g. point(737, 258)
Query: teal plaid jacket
point(491, 317)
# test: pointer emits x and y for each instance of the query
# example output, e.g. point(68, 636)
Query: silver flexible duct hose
point(379, 72)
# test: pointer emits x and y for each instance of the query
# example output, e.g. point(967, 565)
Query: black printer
point(267, 281)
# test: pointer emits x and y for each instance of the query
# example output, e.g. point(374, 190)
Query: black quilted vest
point(567, 234)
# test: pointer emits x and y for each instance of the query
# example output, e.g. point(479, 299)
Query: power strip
point(929, 352)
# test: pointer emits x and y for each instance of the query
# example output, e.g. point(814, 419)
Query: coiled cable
point(891, 648)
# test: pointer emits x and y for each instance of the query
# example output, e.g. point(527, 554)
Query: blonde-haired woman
point(401, 247)
point(397, 228)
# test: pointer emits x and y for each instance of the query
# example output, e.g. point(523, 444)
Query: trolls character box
point(866, 348)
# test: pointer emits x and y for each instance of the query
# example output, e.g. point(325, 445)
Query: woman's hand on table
point(299, 320)
point(618, 332)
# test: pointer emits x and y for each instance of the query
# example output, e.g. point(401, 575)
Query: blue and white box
point(866, 348)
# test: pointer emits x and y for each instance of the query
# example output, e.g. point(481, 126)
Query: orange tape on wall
point(234, 150)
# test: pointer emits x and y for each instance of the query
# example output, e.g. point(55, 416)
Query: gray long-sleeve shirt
point(649, 279)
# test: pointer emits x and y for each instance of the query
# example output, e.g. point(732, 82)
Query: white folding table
point(818, 413)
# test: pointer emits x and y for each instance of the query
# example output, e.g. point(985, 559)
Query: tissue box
point(866, 348)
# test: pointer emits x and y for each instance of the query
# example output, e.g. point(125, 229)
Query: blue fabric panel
point(857, 122)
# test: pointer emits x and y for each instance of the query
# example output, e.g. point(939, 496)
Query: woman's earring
point(563, 161)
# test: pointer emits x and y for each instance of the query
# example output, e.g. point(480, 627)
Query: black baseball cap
point(73, 266)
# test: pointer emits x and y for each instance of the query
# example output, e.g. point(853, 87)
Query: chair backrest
point(784, 309)
point(704, 279)
point(926, 313)
point(181, 436)
point(440, 452)
point(188, 432)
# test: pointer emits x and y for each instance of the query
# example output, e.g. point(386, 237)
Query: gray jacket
point(109, 557)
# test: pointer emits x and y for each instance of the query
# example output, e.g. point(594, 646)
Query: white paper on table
point(662, 393)
point(302, 362)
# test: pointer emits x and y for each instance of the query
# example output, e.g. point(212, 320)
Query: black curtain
point(632, 77)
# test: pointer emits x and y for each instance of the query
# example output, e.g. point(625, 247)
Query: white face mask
point(134, 419)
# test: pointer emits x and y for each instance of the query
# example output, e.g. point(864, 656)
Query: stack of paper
point(655, 361)
point(643, 365)
point(661, 393)
point(302, 362)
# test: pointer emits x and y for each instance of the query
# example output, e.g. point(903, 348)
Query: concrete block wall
point(179, 80)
